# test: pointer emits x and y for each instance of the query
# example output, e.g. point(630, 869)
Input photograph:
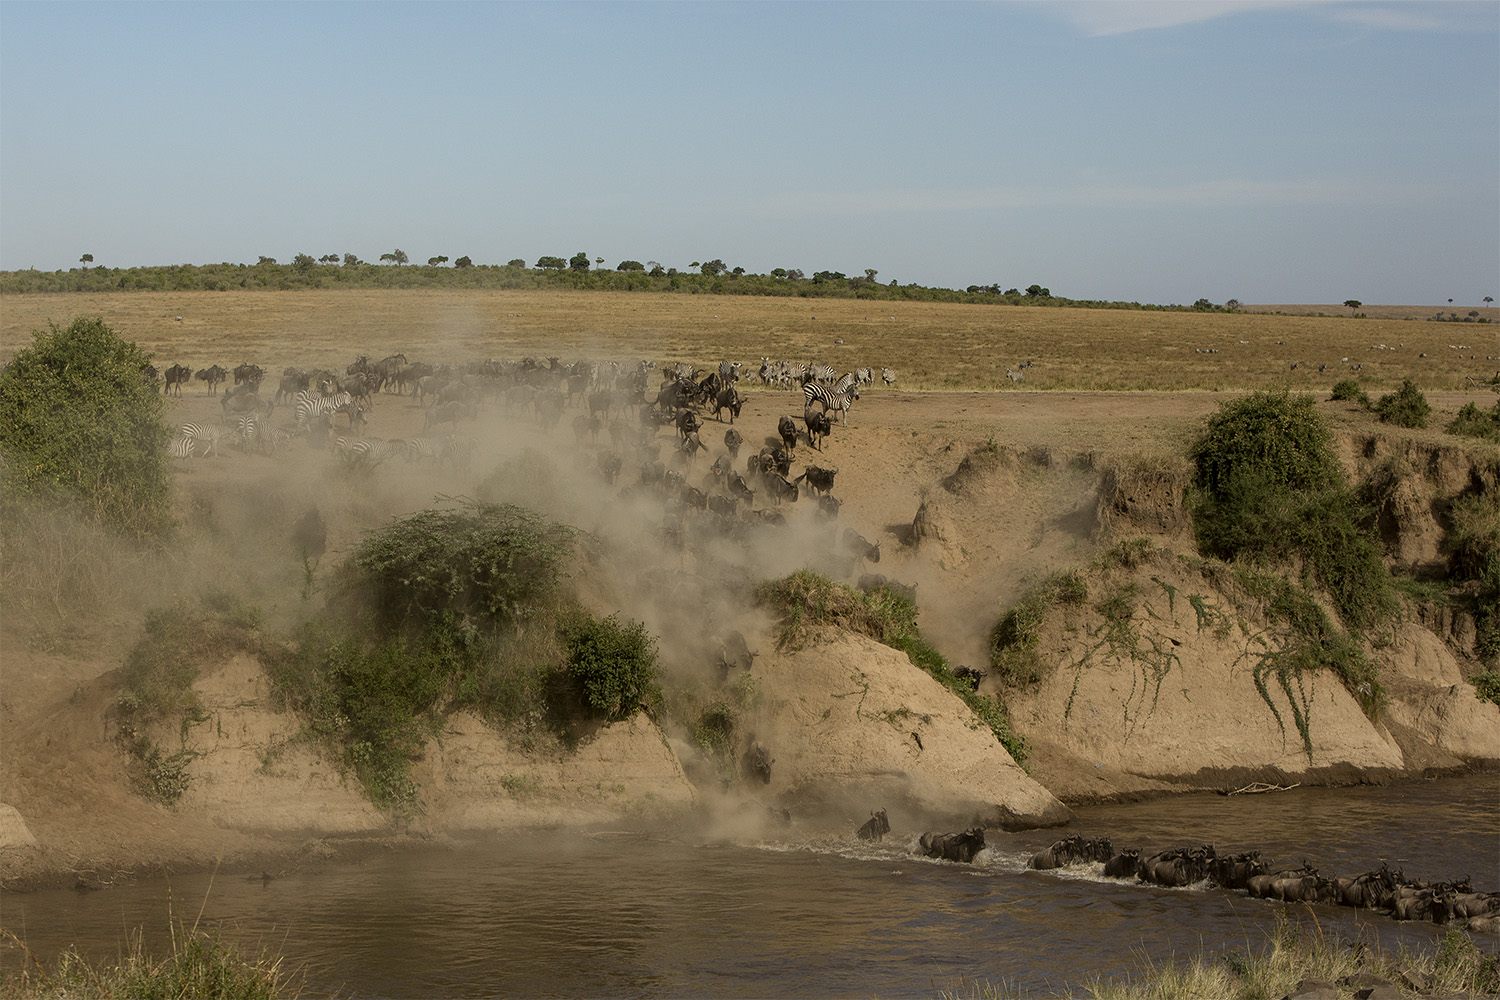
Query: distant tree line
point(710, 277)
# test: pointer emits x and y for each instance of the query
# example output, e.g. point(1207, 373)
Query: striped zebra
point(729, 371)
point(310, 405)
point(426, 450)
point(367, 453)
point(821, 373)
point(182, 447)
point(208, 434)
point(793, 374)
point(840, 397)
point(888, 376)
point(864, 376)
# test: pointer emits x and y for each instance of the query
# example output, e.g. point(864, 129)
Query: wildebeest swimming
point(953, 846)
point(1385, 889)
point(875, 828)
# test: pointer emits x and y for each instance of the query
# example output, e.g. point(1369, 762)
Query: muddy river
point(634, 915)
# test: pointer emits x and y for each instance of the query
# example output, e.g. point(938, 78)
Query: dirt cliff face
point(854, 726)
point(1163, 698)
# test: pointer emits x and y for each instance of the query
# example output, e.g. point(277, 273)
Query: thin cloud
point(1102, 18)
point(1211, 194)
point(1099, 18)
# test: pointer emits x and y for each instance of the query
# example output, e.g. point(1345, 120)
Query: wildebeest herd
point(640, 427)
point(1385, 889)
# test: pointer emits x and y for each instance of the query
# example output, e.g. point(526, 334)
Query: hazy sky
point(1161, 152)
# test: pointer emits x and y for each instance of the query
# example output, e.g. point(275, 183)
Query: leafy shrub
point(1349, 390)
point(1013, 640)
point(1269, 488)
point(1406, 407)
point(1474, 422)
point(497, 562)
point(806, 601)
point(613, 664)
point(78, 419)
point(1473, 542)
point(1487, 685)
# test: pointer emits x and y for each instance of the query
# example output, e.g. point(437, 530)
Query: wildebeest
point(1234, 871)
point(757, 763)
point(1179, 867)
point(874, 581)
point(447, 413)
point(243, 403)
point(732, 441)
point(819, 480)
point(687, 422)
point(728, 398)
point(1126, 864)
point(1071, 850)
point(860, 546)
point(875, 828)
point(176, 378)
point(213, 375)
point(953, 846)
point(970, 675)
point(247, 372)
point(787, 428)
point(733, 653)
point(819, 426)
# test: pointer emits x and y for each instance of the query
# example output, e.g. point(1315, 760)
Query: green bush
point(1471, 421)
point(79, 419)
point(614, 664)
point(495, 562)
point(1013, 640)
point(1406, 407)
point(1473, 542)
point(1487, 685)
point(1269, 489)
point(1349, 391)
point(805, 601)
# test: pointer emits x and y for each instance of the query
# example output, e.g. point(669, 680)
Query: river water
point(635, 915)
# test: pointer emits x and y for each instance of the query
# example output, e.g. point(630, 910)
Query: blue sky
point(1158, 152)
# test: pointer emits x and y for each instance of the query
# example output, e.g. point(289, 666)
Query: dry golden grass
point(933, 346)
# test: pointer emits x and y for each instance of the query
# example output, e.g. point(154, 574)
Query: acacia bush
point(1471, 421)
point(1473, 543)
point(1270, 490)
point(1348, 390)
point(79, 420)
point(1406, 407)
point(459, 608)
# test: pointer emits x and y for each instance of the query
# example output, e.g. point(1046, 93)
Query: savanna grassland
point(931, 346)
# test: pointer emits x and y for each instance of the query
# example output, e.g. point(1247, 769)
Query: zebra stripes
point(888, 376)
point(208, 434)
point(310, 405)
point(821, 373)
point(366, 453)
point(182, 447)
point(840, 397)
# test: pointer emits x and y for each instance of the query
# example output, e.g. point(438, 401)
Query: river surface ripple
point(571, 915)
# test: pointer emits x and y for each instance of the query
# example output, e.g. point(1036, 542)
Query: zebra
point(182, 447)
point(793, 374)
point(864, 376)
point(366, 452)
point(821, 373)
point(840, 397)
point(888, 376)
point(729, 371)
point(207, 433)
point(311, 405)
point(1014, 376)
point(419, 449)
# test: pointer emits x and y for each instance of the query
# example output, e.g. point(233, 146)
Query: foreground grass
point(199, 965)
point(1294, 954)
